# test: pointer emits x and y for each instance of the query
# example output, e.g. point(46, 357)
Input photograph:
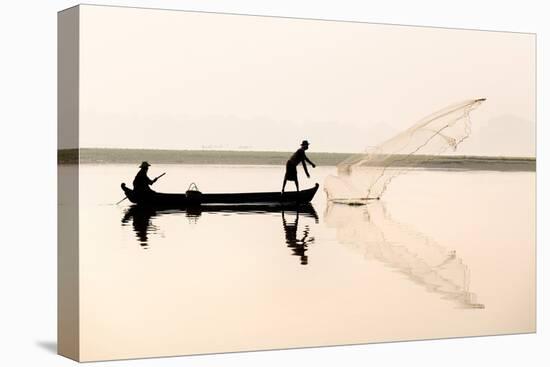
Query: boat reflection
point(142, 218)
point(371, 231)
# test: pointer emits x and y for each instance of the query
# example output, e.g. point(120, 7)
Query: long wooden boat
point(194, 198)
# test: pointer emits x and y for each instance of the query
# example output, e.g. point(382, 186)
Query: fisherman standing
point(298, 157)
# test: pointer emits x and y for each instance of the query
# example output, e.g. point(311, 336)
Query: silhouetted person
point(141, 182)
point(298, 157)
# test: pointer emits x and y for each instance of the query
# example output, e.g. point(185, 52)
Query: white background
point(28, 215)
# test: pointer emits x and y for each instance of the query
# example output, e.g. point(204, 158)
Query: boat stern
point(128, 192)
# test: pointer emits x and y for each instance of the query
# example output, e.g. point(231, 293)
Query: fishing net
point(366, 176)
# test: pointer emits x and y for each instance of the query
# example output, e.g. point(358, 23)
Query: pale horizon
point(186, 81)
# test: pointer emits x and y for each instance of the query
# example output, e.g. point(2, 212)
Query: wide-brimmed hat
point(305, 143)
point(144, 164)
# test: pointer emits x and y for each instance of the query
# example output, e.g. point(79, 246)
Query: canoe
point(195, 198)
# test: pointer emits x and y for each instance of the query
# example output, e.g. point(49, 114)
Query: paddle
point(126, 197)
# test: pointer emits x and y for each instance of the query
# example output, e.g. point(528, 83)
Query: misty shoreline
point(220, 157)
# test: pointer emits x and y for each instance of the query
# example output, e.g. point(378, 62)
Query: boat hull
point(195, 198)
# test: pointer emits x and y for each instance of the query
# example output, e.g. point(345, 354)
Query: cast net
point(366, 176)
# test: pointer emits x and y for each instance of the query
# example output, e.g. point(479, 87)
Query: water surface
point(444, 253)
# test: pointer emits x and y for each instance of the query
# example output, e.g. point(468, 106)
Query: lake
point(442, 254)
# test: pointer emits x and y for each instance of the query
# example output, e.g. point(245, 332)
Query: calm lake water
point(444, 253)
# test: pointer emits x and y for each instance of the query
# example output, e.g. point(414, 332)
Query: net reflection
point(142, 219)
point(371, 231)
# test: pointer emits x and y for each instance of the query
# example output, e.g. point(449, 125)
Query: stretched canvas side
point(67, 257)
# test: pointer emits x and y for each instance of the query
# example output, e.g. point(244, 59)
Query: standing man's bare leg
point(284, 184)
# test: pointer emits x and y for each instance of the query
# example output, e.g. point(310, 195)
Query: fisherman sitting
point(142, 182)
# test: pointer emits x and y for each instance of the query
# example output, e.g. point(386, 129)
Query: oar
point(124, 198)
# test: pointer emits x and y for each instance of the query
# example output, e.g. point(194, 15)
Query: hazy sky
point(182, 80)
